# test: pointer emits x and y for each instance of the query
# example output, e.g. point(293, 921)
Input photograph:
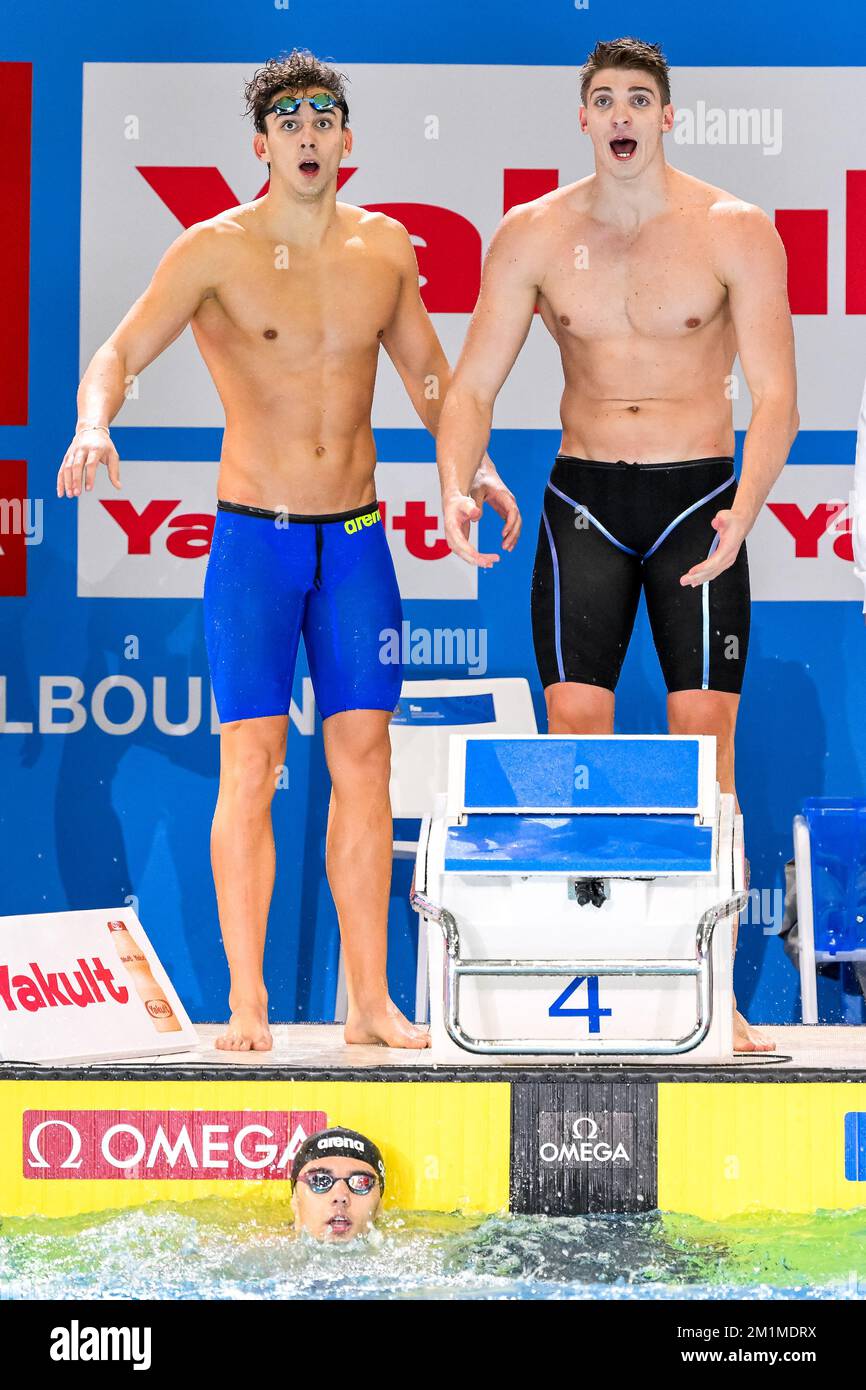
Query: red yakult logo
point(801, 548)
point(807, 529)
point(91, 983)
point(155, 541)
point(189, 534)
point(449, 253)
point(163, 1144)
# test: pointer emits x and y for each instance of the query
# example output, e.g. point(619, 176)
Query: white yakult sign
point(153, 539)
point(85, 986)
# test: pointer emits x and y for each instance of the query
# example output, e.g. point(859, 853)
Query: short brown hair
point(627, 53)
point(292, 72)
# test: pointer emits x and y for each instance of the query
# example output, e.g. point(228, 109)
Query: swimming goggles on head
point(287, 106)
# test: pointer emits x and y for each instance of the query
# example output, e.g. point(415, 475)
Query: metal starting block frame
point(630, 833)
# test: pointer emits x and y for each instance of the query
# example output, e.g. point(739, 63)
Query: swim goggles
point(287, 106)
point(320, 1181)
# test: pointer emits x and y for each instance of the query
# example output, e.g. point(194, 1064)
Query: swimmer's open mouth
point(623, 149)
point(309, 166)
point(339, 1225)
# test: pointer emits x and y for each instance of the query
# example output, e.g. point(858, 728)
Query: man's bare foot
point(749, 1039)
point(247, 1031)
point(384, 1025)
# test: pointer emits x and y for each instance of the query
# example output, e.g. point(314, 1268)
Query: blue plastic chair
point(830, 862)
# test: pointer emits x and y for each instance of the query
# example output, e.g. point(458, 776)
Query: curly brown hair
point(627, 53)
point(293, 72)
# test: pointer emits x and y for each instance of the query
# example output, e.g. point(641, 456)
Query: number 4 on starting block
point(592, 1013)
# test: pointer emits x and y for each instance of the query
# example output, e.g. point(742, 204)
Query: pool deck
point(562, 1137)
point(318, 1052)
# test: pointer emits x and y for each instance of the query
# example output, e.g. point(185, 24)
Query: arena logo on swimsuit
point(357, 523)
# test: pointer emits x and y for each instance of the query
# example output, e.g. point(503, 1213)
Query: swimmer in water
point(338, 1178)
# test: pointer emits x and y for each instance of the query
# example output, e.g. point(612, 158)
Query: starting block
point(578, 897)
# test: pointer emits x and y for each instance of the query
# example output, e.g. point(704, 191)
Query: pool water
point(219, 1249)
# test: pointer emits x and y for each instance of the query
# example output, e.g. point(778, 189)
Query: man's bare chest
point(302, 305)
point(663, 287)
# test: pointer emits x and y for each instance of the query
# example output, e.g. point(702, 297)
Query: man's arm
point(497, 332)
point(752, 263)
point(413, 346)
point(181, 280)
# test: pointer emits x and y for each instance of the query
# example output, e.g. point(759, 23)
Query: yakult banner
point(463, 144)
point(800, 547)
point(152, 539)
point(82, 986)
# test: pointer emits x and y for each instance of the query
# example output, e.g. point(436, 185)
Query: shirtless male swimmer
point(289, 298)
point(651, 282)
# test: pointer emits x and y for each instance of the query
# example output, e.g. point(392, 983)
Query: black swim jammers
point(607, 529)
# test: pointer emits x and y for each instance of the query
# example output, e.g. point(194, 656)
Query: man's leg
point(359, 859)
point(252, 751)
point(715, 712)
point(576, 708)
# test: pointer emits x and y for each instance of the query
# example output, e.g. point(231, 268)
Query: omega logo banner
point(584, 1146)
point(85, 986)
point(165, 1144)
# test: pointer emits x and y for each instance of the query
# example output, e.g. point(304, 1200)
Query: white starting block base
point(523, 920)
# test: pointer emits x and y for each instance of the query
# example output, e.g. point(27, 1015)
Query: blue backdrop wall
point(91, 816)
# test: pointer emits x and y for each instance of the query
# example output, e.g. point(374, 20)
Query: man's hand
point(487, 486)
point(732, 531)
point(459, 512)
point(89, 448)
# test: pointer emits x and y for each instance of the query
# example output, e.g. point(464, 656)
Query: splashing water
point(218, 1249)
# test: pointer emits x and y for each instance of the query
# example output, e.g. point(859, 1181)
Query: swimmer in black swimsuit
point(608, 529)
point(653, 285)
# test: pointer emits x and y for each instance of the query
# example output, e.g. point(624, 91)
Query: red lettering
point(416, 521)
point(94, 987)
point(13, 541)
point(843, 545)
point(449, 246)
point(50, 988)
point(28, 995)
point(806, 530)
point(448, 249)
point(855, 241)
point(192, 194)
point(139, 528)
point(525, 185)
point(5, 992)
point(83, 997)
point(195, 538)
point(804, 234)
point(105, 977)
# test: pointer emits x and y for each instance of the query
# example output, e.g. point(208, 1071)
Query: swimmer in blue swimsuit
point(290, 298)
point(272, 577)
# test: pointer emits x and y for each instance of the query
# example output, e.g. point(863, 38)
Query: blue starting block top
point(587, 774)
point(605, 845)
point(614, 805)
